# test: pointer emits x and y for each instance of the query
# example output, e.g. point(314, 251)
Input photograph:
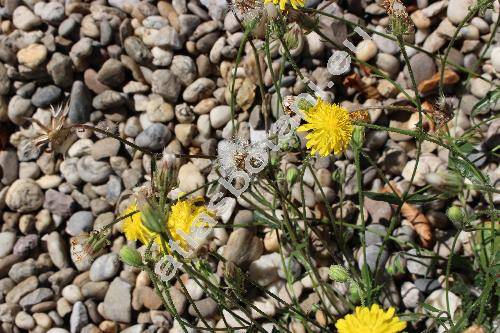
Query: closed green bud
point(339, 273)
point(304, 104)
point(291, 175)
point(152, 219)
point(354, 293)
point(274, 161)
point(456, 215)
point(131, 256)
point(358, 136)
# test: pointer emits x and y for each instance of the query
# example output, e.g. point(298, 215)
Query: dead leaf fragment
point(418, 220)
point(450, 77)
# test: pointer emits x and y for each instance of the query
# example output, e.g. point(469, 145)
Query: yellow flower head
point(330, 128)
point(184, 216)
point(370, 320)
point(133, 227)
point(295, 3)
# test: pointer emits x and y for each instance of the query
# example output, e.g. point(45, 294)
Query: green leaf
point(386, 197)
point(430, 308)
point(420, 198)
point(491, 98)
point(465, 170)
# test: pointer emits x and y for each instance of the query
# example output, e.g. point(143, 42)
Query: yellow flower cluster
point(183, 216)
point(371, 320)
point(330, 128)
point(295, 3)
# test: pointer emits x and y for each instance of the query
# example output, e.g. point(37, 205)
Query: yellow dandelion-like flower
point(370, 320)
point(184, 216)
point(330, 128)
point(134, 229)
point(295, 3)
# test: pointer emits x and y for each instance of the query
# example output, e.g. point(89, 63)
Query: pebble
point(184, 69)
point(264, 270)
point(35, 297)
point(79, 317)
point(7, 241)
point(423, 67)
point(165, 84)
point(105, 267)
point(117, 302)
point(79, 222)
point(417, 264)
point(19, 109)
point(33, 55)
point(21, 289)
point(80, 105)
point(24, 196)
point(25, 244)
point(155, 137)
point(207, 308)
point(495, 58)
point(190, 179)
point(136, 49)
point(57, 250)
point(385, 44)
point(105, 148)
point(366, 50)
point(410, 294)
point(220, 116)
point(198, 90)
point(112, 73)
point(92, 171)
point(458, 10)
point(24, 321)
point(23, 18)
point(58, 203)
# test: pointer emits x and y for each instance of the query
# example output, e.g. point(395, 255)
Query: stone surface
point(24, 196)
point(117, 303)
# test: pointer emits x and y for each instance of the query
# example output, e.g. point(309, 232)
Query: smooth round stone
point(105, 267)
point(155, 137)
point(7, 241)
point(423, 67)
point(458, 10)
point(79, 223)
point(93, 171)
point(366, 50)
point(32, 56)
point(105, 148)
point(166, 84)
point(220, 116)
point(19, 109)
point(198, 90)
point(24, 196)
point(495, 58)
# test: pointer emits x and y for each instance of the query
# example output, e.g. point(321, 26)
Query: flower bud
point(456, 215)
point(339, 273)
point(291, 175)
point(131, 256)
point(354, 293)
point(358, 136)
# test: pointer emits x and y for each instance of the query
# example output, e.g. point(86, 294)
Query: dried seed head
point(232, 154)
point(89, 245)
point(400, 21)
point(53, 136)
point(247, 10)
point(442, 112)
point(363, 116)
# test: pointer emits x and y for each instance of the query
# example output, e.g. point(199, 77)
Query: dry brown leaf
point(419, 221)
point(354, 81)
point(450, 77)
